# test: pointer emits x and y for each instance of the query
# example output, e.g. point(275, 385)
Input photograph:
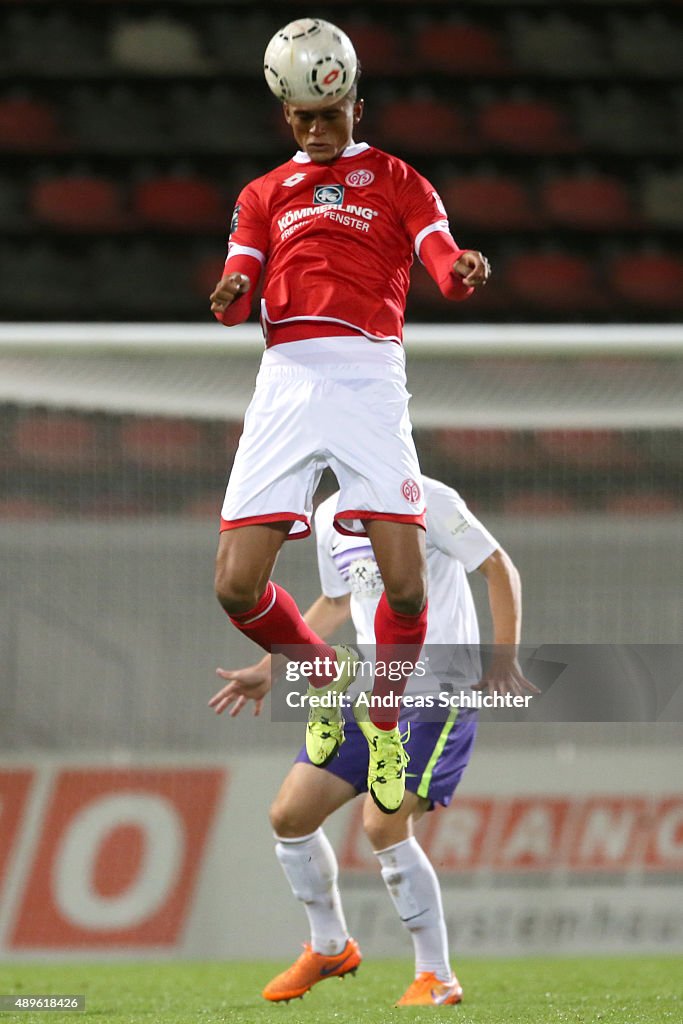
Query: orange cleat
point(427, 990)
point(311, 968)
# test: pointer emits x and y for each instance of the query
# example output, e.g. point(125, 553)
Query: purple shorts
point(439, 753)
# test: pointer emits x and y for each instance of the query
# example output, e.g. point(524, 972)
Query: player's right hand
point(244, 684)
point(227, 290)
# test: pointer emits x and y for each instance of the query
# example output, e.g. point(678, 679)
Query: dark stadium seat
point(526, 126)
point(554, 281)
point(557, 44)
point(661, 197)
point(78, 202)
point(652, 280)
point(489, 201)
point(625, 120)
point(461, 48)
point(649, 45)
point(118, 119)
point(28, 123)
point(424, 125)
point(593, 201)
point(180, 202)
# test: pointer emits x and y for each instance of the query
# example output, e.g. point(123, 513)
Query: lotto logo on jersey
point(328, 195)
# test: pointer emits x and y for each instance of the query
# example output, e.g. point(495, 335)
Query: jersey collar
point(353, 150)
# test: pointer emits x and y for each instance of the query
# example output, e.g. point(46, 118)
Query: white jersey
point(456, 543)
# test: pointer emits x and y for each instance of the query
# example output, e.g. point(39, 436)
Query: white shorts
point(309, 411)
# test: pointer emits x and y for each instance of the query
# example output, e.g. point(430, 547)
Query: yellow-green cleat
point(325, 729)
point(386, 765)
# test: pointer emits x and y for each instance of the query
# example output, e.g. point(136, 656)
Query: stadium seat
point(596, 449)
point(539, 503)
point(75, 44)
point(459, 48)
point(203, 119)
point(378, 46)
point(649, 45)
point(55, 440)
point(180, 203)
point(482, 449)
point(622, 120)
point(239, 52)
point(115, 270)
point(163, 443)
point(652, 280)
point(557, 44)
point(23, 509)
point(156, 44)
point(662, 198)
point(11, 203)
point(554, 281)
point(596, 202)
point(78, 202)
point(29, 124)
point(526, 126)
point(424, 124)
point(118, 119)
point(488, 201)
point(643, 503)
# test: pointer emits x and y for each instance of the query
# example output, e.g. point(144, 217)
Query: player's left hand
point(504, 675)
point(474, 268)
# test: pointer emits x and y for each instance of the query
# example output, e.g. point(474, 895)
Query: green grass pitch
point(626, 990)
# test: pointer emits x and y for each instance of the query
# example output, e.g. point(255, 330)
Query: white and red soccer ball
point(310, 63)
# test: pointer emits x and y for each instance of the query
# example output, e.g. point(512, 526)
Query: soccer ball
point(310, 62)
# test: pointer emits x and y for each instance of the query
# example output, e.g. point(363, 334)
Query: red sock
point(276, 619)
point(399, 638)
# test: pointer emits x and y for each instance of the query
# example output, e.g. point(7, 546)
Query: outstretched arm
point(457, 272)
point(325, 615)
point(504, 674)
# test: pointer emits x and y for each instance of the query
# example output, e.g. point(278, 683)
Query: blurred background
point(553, 130)
point(553, 402)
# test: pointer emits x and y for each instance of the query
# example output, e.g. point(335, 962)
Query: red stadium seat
point(78, 202)
point(554, 281)
point(180, 203)
point(526, 126)
point(539, 503)
point(425, 125)
point(648, 279)
point(643, 503)
point(56, 440)
point(20, 509)
point(484, 449)
point(588, 448)
point(460, 49)
point(378, 46)
point(489, 202)
point(592, 201)
point(164, 443)
point(29, 124)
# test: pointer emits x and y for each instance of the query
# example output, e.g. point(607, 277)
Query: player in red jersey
point(333, 233)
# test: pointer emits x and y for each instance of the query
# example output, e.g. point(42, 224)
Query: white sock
point(415, 891)
point(310, 865)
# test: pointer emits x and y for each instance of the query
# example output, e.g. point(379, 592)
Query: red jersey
point(337, 242)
